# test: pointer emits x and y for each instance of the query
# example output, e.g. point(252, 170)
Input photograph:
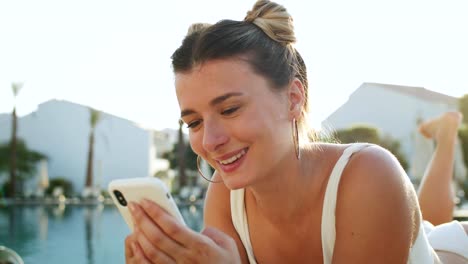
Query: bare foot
point(442, 127)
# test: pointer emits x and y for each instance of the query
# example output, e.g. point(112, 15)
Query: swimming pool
point(73, 233)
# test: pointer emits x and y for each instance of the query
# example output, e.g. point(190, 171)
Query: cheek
point(264, 121)
point(196, 143)
point(249, 130)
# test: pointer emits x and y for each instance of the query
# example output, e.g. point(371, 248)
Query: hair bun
point(274, 20)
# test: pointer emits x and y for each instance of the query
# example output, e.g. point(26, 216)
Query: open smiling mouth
point(232, 163)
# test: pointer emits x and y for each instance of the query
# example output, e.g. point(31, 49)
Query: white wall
point(60, 130)
point(394, 113)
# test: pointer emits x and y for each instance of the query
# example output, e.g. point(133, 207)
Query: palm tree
point(94, 119)
point(16, 87)
point(181, 154)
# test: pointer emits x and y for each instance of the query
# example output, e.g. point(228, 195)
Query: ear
point(296, 98)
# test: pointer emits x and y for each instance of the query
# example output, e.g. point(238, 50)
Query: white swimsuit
point(421, 252)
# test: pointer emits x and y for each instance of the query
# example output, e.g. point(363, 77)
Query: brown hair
point(264, 37)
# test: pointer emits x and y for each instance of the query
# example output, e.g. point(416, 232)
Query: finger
point(220, 238)
point(151, 252)
point(153, 232)
point(128, 247)
point(138, 255)
point(170, 226)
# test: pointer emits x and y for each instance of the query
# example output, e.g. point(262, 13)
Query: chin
point(235, 182)
point(234, 187)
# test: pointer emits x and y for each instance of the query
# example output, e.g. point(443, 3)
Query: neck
point(288, 191)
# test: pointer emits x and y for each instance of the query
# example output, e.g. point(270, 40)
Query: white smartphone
point(124, 191)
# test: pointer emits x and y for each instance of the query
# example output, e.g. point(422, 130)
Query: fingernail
point(134, 247)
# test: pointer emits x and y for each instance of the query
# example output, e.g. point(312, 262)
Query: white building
point(394, 109)
point(164, 140)
point(60, 130)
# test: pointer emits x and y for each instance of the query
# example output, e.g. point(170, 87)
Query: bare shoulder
point(217, 197)
point(217, 209)
point(364, 164)
point(376, 213)
point(217, 212)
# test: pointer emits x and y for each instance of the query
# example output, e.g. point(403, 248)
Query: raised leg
point(435, 194)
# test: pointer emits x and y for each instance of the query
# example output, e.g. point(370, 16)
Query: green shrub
point(463, 135)
point(369, 134)
point(6, 189)
point(63, 183)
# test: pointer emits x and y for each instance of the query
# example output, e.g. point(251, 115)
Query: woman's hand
point(159, 238)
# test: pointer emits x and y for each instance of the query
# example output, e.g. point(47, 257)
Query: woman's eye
point(230, 110)
point(193, 124)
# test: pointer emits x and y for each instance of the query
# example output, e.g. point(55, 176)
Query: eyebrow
point(213, 102)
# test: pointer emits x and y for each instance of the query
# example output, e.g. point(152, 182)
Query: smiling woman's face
point(236, 121)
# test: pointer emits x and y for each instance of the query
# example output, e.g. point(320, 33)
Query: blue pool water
point(72, 234)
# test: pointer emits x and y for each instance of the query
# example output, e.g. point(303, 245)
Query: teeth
point(233, 158)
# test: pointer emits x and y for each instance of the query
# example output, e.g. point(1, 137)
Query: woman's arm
point(217, 213)
point(377, 215)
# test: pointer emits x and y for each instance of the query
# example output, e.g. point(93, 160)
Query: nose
point(214, 135)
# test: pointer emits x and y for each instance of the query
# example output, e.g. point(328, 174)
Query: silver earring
point(201, 173)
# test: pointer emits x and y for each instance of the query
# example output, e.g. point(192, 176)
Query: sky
point(114, 55)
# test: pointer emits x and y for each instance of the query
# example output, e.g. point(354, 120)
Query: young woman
point(277, 196)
